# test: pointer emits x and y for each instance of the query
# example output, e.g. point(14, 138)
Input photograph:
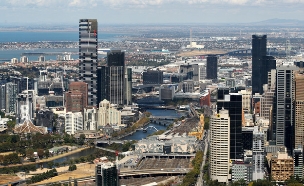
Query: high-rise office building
point(88, 46)
point(259, 49)
point(81, 87)
point(187, 70)
point(267, 99)
point(220, 146)
point(74, 101)
point(233, 103)
point(299, 109)
point(283, 107)
point(111, 79)
point(106, 174)
point(268, 63)
point(298, 162)
point(11, 91)
point(153, 77)
point(211, 68)
point(258, 154)
point(128, 86)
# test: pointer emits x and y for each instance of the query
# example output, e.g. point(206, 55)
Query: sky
point(22, 12)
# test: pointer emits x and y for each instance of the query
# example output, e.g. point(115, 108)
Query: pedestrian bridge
point(163, 117)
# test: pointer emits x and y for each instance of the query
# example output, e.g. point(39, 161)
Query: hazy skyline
point(20, 12)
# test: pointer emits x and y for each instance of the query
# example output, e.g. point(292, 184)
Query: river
point(138, 135)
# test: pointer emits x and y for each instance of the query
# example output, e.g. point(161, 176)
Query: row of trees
point(12, 158)
point(140, 123)
point(15, 169)
point(43, 176)
point(191, 177)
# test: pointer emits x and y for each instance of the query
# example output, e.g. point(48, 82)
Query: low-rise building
point(281, 166)
point(241, 170)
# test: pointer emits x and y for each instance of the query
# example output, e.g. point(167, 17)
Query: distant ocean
point(21, 36)
point(16, 36)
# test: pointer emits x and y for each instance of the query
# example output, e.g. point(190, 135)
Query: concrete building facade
point(220, 146)
point(107, 114)
point(88, 39)
point(299, 109)
point(73, 122)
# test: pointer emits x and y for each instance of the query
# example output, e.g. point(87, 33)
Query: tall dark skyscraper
point(112, 79)
point(283, 121)
point(88, 56)
point(116, 58)
point(259, 49)
point(233, 103)
point(268, 63)
point(211, 67)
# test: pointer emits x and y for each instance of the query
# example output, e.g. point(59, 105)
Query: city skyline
point(148, 11)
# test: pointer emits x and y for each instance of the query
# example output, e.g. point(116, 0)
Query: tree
point(81, 139)
point(50, 164)
point(240, 182)
point(29, 153)
point(40, 153)
point(47, 153)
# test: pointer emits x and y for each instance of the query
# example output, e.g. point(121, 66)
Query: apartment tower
point(220, 146)
point(88, 45)
point(299, 109)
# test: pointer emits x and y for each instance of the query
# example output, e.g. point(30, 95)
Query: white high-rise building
point(220, 146)
point(258, 154)
point(14, 60)
point(41, 59)
point(90, 118)
point(24, 59)
point(73, 122)
point(107, 114)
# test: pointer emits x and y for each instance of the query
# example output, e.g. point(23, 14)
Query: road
point(200, 181)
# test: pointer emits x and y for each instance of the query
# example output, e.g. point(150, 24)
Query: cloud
point(141, 3)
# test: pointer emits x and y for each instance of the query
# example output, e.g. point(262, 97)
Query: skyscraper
point(111, 79)
point(233, 103)
point(283, 121)
point(11, 91)
point(259, 44)
point(211, 67)
point(299, 109)
point(88, 46)
point(268, 63)
point(220, 146)
point(106, 174)
point(298, 162)
point(258, 154)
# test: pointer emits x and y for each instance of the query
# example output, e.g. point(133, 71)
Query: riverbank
point(50, 158)
point(131, 133)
